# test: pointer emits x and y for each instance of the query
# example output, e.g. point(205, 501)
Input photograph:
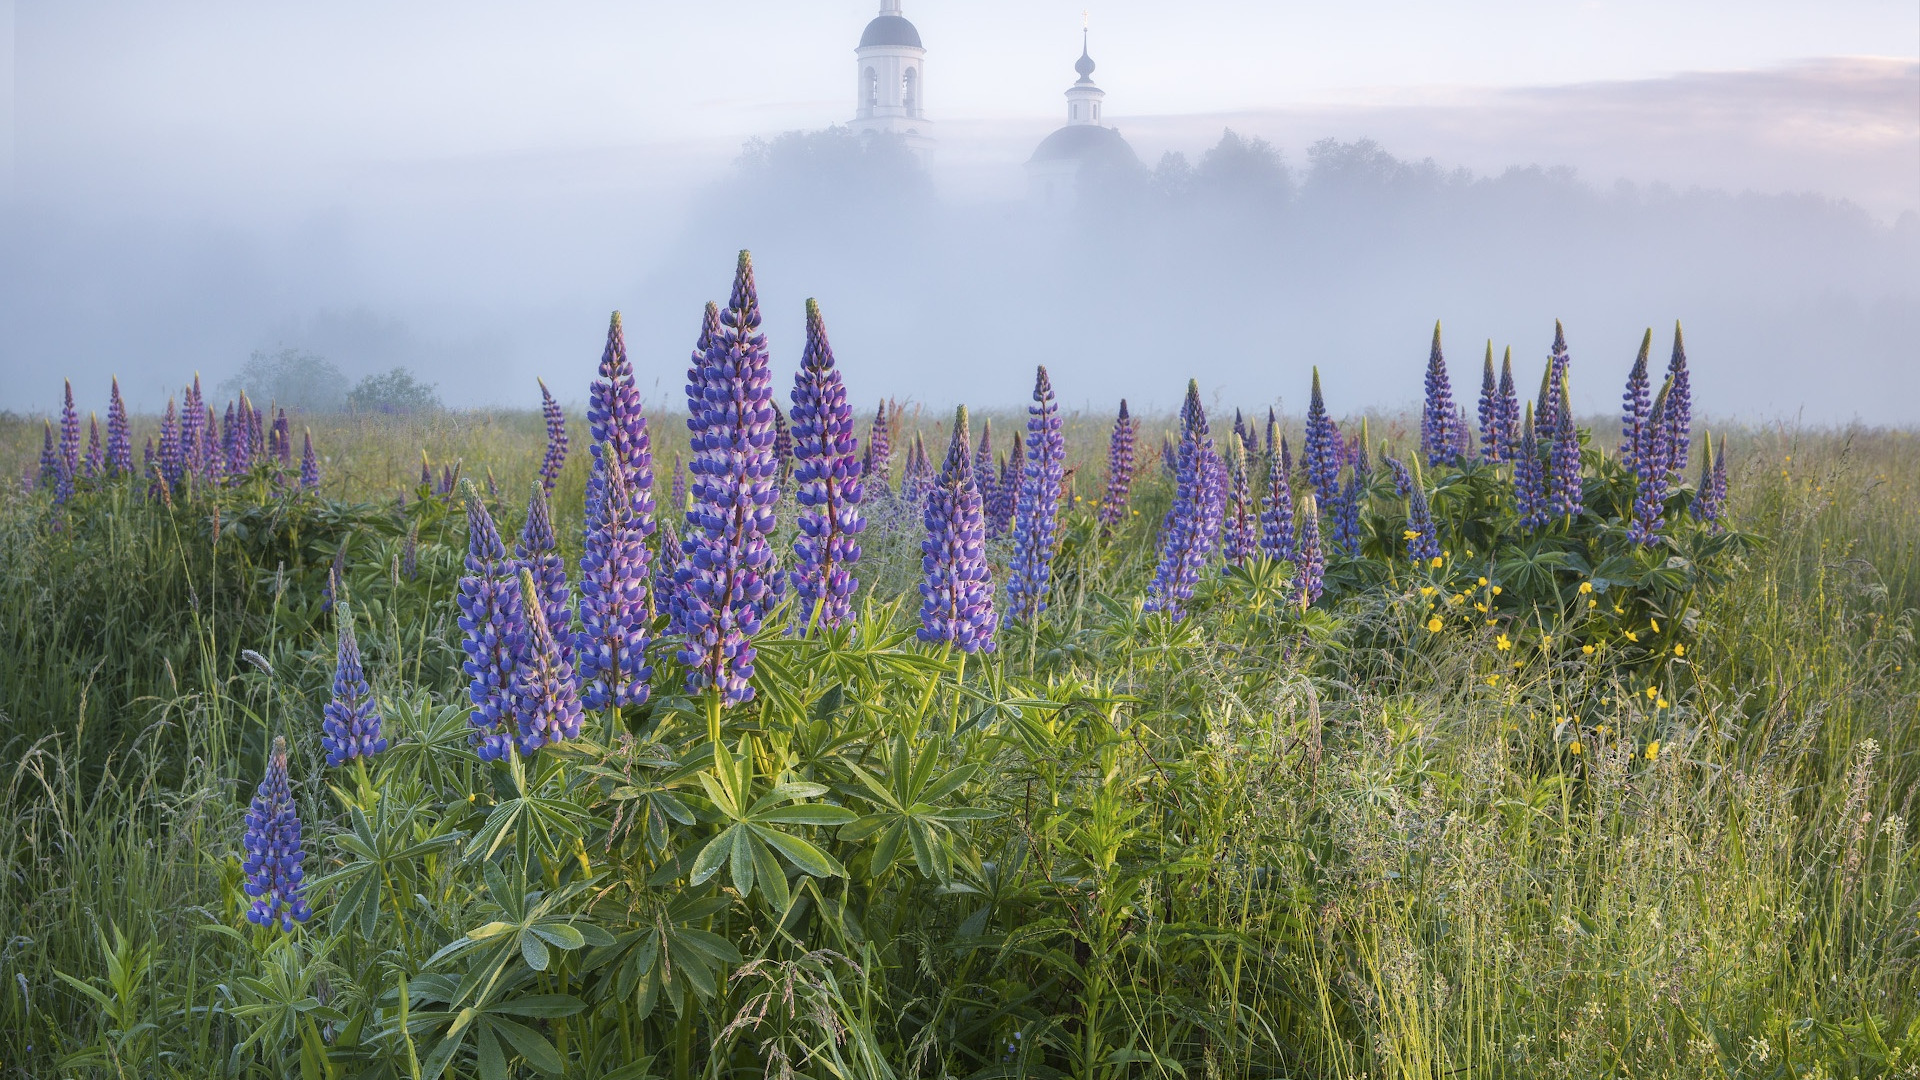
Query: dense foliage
point(1454, 795)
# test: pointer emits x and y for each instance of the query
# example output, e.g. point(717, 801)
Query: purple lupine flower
point(1491, 410)
point(546, 704)
point(240, 448)
point(1241, 538)
point(94, 464)
point(490, 616)
point(1347, 531)
point(1679, 420)
point(1650, 471)
point(49, 457)
point(877, 463)
point(722, 591)
point(1006, 492)
point(556, 455)
point(229, 431)
point(1547, 411)
point(283, 432)
point(1186, 538)
point(450, 476)
point(410, 551)
point(666, 563)
point(956, 604)
point(1169, 456)
point(213, 459)
point(1113, 507)
point(1276, 516)
point(1529, 477)
point(918, 473)
point(119, 435)
point(150, 467)
point(1462, 435)
point(1036, 515)
point(193, 423)
point(1286, 459)
point(256, 430)
point(1710, 498)
point(1309, 563)
point(1636, 405)
point(274, 855)
point(1423, 541)
point(985, 476)
point(1564, 481)
point(1437, 419)
point(70, 436)
point(173, 455)
point(538, 550)
point(678, 490)
point(493, 486)
point(611, 644)
point(618, 425)
point(782, 444)
point(1509, 410)
point(350, 722)
point(309, 464)
point(1322, 447)
point(827, 485)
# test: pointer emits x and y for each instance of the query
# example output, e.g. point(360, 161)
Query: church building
point(1054, 170)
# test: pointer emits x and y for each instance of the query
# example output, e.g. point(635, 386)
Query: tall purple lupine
point(678, 489)
point(1710, 498)
point(1547, 410)
point(256, 430)
point(556, 456)
point(1437, 418)
point(918, 474)
point(1347, 531)
point(538, 551)
point(1636, 405)
point(546, 703)
point(1322, 447)
point(173, 461)
point(1423, 541)
point(1006, 492)
point(240, 447)
point(350, 721)
point(309, 464)
point(615, 611)
point(70, 436)
point(1529, 476)
point(1186, 539)
point(272, 866)
point(490, 617)
point(1240, 534)
point(193, 424)
point(94, 465)
point(229, 429)
point(1276, 516)
point(1036, 515)
point(1491, 411)
point(1679, 419)
point(877, 463)
point(119, 435)
point(1309, 563)
point(828, 488)
point(782, 445)
point(984, 473)
point(956, 605)
point(1568, 500)
point(723, 594)
point(1113, 507)
point(666, 563)
point(1462, 435)
point(150, 468)
point(1509, 409)
point(283, 431)
point(49, 456)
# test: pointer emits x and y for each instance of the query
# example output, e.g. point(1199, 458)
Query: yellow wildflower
point(1653, 749)
point(1410, 535)
point(1631, 636)
point(1435, 562)
point(1656, 625)
point(1586, 586)
point(1502, 643)
point(1496, 590)
point(1652, 692)
point(1426, 590)
point(1483, 581)
point(1573, 747)
point(1679, 649)
point(1660, 703)
point(1433, 625)
point(1587, 649)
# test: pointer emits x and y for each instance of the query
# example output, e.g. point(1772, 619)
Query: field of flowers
point(742, 735)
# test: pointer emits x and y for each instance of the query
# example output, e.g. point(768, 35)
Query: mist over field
point(186, 191)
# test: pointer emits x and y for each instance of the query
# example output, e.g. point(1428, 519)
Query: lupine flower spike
point(611, 644)
point(1423, 543)
point(119, 435)
point(1309, 564)
point(1241, 534)
point(309, 464)
point(782, 445)
point(1710, 498)
point(538, 551)
point(1636, 405)
point(94, 465)
point(1529, 476)
point(1276, 516)
point(828, 488)
point(70, 435)
point(350, 722)
point(1186, 540)
point(1645, 451)
point(1346, 513)
point(984, 474)
point(1322, 447)
point(546, 706)
point(49, 456)
point(1679, 419)
point(1437, 419)
point(1509, 409)
point(490, 615)
point(556, 456)
point(1490, 410)
point(274, 855)
point(723, 594)
point(957, 596)
point(1006, 491)
point(877, 464)
point(1113, 506)
point(1035, 515)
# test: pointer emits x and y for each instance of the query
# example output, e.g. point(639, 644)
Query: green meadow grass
point(1356, 850)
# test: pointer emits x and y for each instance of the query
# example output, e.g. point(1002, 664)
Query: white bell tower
point(890, 86)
